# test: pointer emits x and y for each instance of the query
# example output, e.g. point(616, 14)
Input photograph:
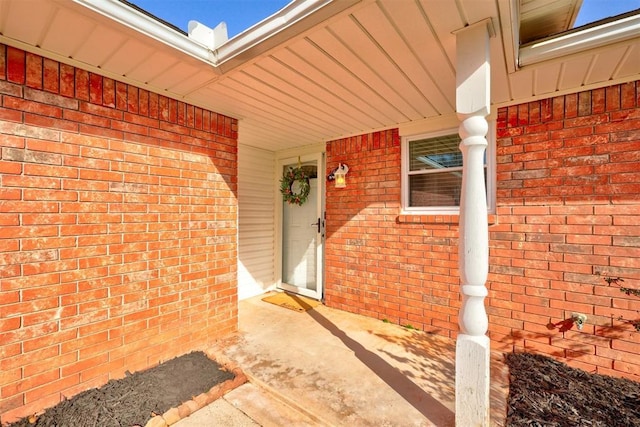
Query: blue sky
point(242, 14)
point(592, 10)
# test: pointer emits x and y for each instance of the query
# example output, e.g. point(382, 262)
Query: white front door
point(302, 232)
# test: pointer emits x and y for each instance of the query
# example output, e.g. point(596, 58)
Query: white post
point(473, 105)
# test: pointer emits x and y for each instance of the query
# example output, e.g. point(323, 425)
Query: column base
point(472, 381)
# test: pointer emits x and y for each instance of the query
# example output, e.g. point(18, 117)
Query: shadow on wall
point(574, 343)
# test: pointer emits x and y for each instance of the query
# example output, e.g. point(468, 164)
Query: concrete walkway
point(326, 367)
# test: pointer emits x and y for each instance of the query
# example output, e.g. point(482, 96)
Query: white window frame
point(447, 210)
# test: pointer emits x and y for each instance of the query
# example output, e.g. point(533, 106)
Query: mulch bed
point(135, 399)
point(546, 393)
point(542, 393)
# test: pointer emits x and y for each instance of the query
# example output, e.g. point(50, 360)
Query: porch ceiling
point(364, 65)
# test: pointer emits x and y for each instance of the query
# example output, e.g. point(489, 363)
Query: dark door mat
point(545, 392)
point(173, 389)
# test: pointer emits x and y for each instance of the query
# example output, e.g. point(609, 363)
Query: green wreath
point(286, 184)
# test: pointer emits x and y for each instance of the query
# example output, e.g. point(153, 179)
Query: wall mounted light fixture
point(341, 175)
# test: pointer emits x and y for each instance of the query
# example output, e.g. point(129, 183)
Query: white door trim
point(280, 163)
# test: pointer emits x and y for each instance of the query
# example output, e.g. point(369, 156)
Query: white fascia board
point(138, 21)
point(293, 12)
point(275, 29)
point(579, 41)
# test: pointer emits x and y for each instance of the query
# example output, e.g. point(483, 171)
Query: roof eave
point(149, 26)
point(580, 40)
point(293, 19)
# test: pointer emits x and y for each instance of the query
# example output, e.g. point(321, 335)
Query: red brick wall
point(568, 213)
point(399, 268)
point(117, 230)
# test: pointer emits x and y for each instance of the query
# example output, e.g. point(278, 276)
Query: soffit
point(373, 65)
point(542, 18)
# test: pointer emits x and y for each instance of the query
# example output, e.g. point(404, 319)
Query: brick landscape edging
point(173, 415)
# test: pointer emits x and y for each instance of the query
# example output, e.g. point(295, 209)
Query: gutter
point(616, 29)
point(149, 26)
point(250, 43)
point(278, 28)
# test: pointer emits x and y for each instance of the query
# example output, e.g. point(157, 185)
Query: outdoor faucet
point(579, 319)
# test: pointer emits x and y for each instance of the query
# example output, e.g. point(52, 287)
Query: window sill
point(438, 219)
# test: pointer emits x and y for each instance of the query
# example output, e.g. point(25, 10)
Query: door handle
point(318, 224)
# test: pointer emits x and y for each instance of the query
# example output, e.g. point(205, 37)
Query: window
point(432, 173)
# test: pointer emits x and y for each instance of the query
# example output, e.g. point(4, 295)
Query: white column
point(473, 105)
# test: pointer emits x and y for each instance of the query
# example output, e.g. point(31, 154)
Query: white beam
point(473, 105)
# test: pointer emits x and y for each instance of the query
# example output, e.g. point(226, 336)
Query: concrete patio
point(331, 368)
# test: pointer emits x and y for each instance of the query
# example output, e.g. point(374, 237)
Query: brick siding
point(568, 215)
point(117, 230)
point(378, 263)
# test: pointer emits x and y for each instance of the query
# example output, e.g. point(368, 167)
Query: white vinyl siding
point(256, 221)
